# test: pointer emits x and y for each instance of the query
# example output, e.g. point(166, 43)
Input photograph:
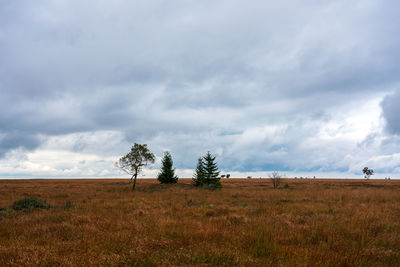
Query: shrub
point(275, 179)
point(30, 204)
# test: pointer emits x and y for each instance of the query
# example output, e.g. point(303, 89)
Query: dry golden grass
point(246, 223)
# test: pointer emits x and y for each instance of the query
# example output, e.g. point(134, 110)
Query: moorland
point(101, 222)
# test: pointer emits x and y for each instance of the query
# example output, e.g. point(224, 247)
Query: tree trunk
point(132, 178)
point(134, 182)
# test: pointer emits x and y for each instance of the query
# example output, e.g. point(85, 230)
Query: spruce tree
point(211, 171)
point(199, 175)
point(167, 174)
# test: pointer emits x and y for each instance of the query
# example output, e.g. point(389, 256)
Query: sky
point(301, 87)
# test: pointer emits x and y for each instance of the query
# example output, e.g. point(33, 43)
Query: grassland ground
point(246, 223)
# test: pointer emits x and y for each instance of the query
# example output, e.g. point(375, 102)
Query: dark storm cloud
point(391, 112)
point(182, 74)
point(13, 140)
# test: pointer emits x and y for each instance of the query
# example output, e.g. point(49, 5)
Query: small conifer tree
point(211, 171)
point(199, 174)
point(206, 172)
point(167, 174)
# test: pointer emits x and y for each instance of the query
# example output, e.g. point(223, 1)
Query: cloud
point(265, 85)
point(15, 140)
point(391, 111)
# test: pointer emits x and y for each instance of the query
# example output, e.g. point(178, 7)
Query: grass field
point(246, 223)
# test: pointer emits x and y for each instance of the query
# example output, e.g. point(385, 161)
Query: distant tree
point(133, 162)
point(228, 176)
point(199, 173)
point(275, 179)
point(167, 174)
point(367, 172)
point(211, 171)
point(206, 172)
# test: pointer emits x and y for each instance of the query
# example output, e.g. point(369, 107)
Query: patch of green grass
point(207, 257)
point(191, 203)
point(286, 201)
point(30, 204)
point(240, 204)
point(262, 248)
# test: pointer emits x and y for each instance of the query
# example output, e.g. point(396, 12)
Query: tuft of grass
point(30, 204)
point(240, 204)
point(191, 203)
point(216, 259)
point(69, 205)
point(286, 201)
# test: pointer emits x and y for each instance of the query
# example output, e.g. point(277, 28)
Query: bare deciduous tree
point(133, 162)
point(275, 178)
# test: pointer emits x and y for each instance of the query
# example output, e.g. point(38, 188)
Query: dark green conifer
point(206, 173)
point(167, 174)
point(199, 175)
point(211, 171)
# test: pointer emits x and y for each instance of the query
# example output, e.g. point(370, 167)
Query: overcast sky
point(303, 87)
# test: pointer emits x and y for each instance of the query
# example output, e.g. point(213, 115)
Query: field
point(310, 222)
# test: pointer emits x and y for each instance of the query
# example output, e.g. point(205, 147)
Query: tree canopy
point(367, 172)
point(133, 162)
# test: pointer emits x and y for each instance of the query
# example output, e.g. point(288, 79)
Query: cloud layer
point(290, 86)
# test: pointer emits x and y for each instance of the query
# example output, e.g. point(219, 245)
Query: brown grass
point(246, 223)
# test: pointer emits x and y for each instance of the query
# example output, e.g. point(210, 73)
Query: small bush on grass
point(30, 204)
